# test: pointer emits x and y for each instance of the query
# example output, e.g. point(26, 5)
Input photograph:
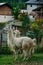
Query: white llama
point(25, 43)
point(31, 41)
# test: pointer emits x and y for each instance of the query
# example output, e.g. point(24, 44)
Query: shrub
point(38, 49)
point(2, 24)
point(6, 50)
point(30, 34)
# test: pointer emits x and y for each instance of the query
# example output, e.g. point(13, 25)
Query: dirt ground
point(29, 63)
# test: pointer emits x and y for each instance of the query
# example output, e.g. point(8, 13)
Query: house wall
point(5, 14)
point(4, 37)
point(31, 18)
point(6, 18)
point(39, 12)
point(5, 10)
point(31, 7)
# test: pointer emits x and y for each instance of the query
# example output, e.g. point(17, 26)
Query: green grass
point(9, 59)
point(6, 59)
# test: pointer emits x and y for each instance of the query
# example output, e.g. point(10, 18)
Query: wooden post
point(0, 43)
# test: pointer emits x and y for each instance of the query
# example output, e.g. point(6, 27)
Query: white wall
point(4, 18)
point(31, 18)
point(29, 8)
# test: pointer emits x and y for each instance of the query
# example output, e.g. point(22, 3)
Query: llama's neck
point(10, 37)
point(17, 35)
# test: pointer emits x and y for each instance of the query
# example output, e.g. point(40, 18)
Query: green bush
point(6, 50)
point(30, 34)
point(39, 50)
point(2, 24)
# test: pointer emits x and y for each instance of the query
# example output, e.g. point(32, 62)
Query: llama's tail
point(34, 42)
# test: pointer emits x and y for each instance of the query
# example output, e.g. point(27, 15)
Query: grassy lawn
point(6, 59)
point(9, 60)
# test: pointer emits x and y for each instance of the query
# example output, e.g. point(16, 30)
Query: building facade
point(5, 12)
point(35, 8)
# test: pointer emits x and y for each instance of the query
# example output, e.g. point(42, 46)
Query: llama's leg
point(25, 54)
point(15, 54)
point(32, 50)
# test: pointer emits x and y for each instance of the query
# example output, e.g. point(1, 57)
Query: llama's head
point(16, 33)
point(7, 28)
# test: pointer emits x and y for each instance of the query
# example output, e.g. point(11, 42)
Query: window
point(30, 5)
point(33, 16)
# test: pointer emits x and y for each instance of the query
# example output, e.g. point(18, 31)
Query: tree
point(24, 18)
point(21, 4)
point(36, 26)
point(15, 12)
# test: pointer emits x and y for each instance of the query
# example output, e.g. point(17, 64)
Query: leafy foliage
point(37, 28)
point(25, 20)
point(12, 0)
point(14, 3)
point(30, 34)
point(15, 12)
point(2, 25)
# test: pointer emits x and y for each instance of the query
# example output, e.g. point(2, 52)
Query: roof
point(35, 2)
point(33, 13)
point(40, 0)
point(5, 3)
point(31, 1)
point(2, 4)
point(16, 23)
point(37, 9)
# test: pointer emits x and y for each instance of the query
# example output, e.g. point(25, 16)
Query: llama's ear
point(13, 28)
point(16, 28)
point(34, 40)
